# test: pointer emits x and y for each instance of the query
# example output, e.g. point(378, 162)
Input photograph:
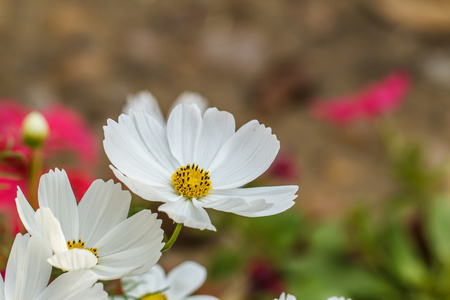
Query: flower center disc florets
point(191, 181)
point(154, 297)
point(80, 245)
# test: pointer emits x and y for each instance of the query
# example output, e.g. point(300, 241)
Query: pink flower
point(284, 168)
point(68, 135)
point(370, 103)
point(68, 131)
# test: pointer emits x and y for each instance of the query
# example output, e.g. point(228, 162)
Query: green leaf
point(404, 261)
point(438, 228)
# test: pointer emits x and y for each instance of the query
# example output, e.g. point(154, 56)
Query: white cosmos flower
point(197, 162)
point(28, 272)
point(338, 298)
point(283, 296)
point(145, 101)
point(95, 234)
point(179, 284)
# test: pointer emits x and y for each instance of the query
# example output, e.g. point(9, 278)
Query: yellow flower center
point(154, 297)
point(80, 245)
point(192, 182)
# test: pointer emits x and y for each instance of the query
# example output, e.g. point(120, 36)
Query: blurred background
point(357, 92)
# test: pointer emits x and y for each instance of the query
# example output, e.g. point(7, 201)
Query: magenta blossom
point(284, 168)
point(379, 99)
point(69, 134)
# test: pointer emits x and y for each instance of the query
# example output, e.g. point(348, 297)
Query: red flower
point(372, 102)
point(68, 135)
point(284, 168)
point(264, 278)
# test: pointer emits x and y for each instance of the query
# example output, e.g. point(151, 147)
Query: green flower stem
point(174, 237)
point(37, 160)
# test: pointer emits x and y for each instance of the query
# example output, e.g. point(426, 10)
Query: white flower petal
point(15, 264)
point(191, 98)
point(183, 132)
point(133, 261)
point(283, 296)
point(146, 191)
point(239, 206)
point(144, 101)
point(137, 146)
point(217, 128)
point(27, 272)
point(244, 157)
point(36, 268)
point(56, 193)
point(188, 212)
point(73, 286)
point(202, 297)
point(134, 244)
point(103, 272)
point(154, 138)
point(253, 202)
point(150, 282)
point(185, 279)
point(2, 289)
point(103, 206)
point(74, 259)
point(26, 214)
point(51, 229)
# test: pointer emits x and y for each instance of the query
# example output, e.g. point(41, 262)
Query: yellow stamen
point(191, 181)
point(80, 245)
point(154, 297)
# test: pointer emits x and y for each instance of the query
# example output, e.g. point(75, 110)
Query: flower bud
point(35, 129)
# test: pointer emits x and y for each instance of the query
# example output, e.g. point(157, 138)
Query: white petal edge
point(37, 269)
point(27, 272)
point(51, 229)
point(183, 132)
point(151, 281)
point(137, 145)
point(26, 214)
point(202, 297)
point(133, 246)
point(146, 102)
point(217, 128)
point(188, 212)
point(146, 191)
point(185, 279)
point(103, 206)
point(244, 157)
point(74, 259)
point(253, 202)
point(56, 193)
point(283, 296)
point(15, 263)
point(191, 98)
point(73, 286)
point(2, 289)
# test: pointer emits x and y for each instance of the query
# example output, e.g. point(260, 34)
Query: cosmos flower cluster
point(194, 161)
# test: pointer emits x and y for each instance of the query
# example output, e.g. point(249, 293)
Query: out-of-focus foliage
point(401, 251)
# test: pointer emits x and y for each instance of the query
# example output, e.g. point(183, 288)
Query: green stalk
point(174, 237)
point(37, 160)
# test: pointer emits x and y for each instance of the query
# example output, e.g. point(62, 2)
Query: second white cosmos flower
point(196, 162)
point(179, 284)
point(95, 234)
